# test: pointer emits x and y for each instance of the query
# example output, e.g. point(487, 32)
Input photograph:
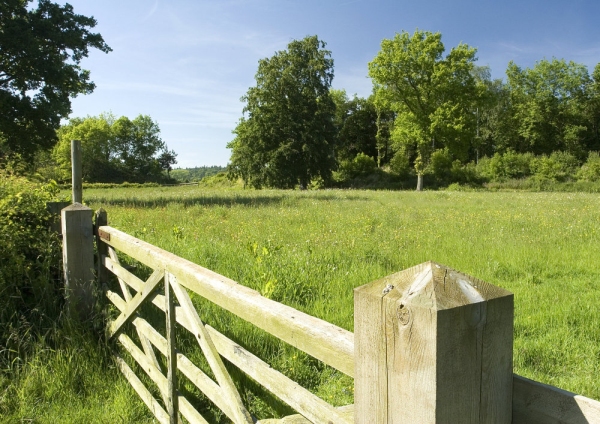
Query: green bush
point(360, 166)
point(440, 166)
point(502, 167)
point(29, 255)
point(400, 165)
point(559, 166)
point(590, 171)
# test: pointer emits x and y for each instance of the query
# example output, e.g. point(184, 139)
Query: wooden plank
point(101, 219)
point(112, 264)
point(347, 411)
point(301, 400)
point(188, 411)
point(240, 414)
point(538, 403)
point(191, 371)
point(320, 339)
point(135, 303)
point(172, 404)
point(142, 392)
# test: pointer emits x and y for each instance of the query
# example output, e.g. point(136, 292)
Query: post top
point(77, 206)
point(434, 286)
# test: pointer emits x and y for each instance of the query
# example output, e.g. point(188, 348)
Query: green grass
point(310, 249)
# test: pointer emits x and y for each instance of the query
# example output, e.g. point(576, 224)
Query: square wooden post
point(78, 259)
point(433, 345)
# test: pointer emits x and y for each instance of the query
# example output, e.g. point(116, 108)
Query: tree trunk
point(419, 182)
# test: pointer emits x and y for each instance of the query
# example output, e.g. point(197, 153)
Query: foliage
point(358, 130)
point(549, 106)
point(559, 166)
point(286, 137)
point(40, 53)
point(114, 150)
point(590, 170)
point(432, 95)
point(186, 175)
point(361, 165)
point(400, 164)
point(29, 256)
point(508, 165)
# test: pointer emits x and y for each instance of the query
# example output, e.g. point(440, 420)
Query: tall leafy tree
point(40, 53)
point(286, 135)
point(432, 95)
point(549, 102)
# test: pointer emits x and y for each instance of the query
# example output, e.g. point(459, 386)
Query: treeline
point(114, 150)
point(431, 117)
point(189, 175)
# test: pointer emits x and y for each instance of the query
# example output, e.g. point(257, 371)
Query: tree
point(115, 150)
point(549, 102)
point(40, 53)
point(431, 95)
point(358, 133)
point(166, 159)
point(286, 136)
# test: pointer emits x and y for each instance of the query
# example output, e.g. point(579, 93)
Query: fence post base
point(78, 259)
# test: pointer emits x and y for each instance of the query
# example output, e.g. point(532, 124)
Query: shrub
point(400, 165)
point(440, 165)
point(502, 167)
point(590, 171)
point(360, 166)
point(559, 166)
point(29, 256)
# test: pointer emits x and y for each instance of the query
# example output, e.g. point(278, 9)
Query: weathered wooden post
point(433, 345)
point(78, 258)
point(101, 247)
point(76, 171)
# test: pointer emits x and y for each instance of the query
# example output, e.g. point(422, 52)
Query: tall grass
point(310, 249)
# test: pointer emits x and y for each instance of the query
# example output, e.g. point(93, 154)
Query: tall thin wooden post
point(76, 171)
point(433, 345)
point(101, 247)
point(78, 258)
point(172, 397)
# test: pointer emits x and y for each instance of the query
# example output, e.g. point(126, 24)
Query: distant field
point(310, 249)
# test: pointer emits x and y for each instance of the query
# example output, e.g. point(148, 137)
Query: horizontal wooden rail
point(328, 343)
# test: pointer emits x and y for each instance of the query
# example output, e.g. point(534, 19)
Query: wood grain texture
point(322, 340)
point(537, 403)
point(78, 258)
point(135, 303)
point(442, 361)
point(171, 398)
point(188, 369)
point(347, 411)
point(238, 410)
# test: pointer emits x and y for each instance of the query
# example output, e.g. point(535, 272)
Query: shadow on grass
point(216, 200)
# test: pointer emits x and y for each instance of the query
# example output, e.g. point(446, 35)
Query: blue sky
point(187, 63)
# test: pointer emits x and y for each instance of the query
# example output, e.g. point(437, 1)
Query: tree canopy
point(115, 150)
point(286, 135)
point(40, 53)
point(432, 95)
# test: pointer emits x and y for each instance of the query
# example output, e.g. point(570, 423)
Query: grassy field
point(310, 249)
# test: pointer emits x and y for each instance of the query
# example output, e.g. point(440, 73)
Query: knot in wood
point(387, 289)
point(403, 314)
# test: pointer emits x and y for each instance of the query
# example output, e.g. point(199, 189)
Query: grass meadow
point(309, 249)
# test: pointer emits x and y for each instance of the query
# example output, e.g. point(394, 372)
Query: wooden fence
point(431, 345)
